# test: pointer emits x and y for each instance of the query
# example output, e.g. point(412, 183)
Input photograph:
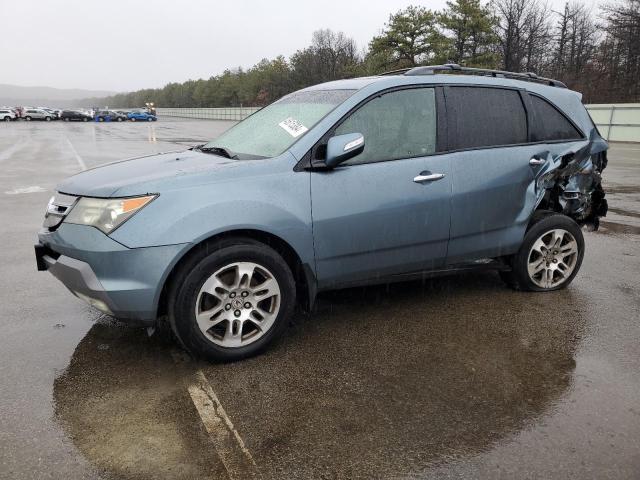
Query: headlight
point(107, 214)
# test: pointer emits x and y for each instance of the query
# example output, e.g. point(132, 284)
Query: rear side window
point(549, 124)
point(398, 124)
point(485, 117)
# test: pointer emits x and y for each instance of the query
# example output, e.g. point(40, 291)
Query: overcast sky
point(124, 45)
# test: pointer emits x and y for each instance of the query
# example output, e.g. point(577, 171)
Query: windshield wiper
point(222, 151)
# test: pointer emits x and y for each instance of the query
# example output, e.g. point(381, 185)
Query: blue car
point(135, 116)
point(422, 172)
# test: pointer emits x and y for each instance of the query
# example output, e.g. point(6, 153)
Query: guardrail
point(617, 122)
point(230, 113)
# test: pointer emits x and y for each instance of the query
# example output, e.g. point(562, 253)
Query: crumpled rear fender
point(571, 182)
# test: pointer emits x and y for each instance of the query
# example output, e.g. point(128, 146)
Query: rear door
point(492, 172)
point(372, 217)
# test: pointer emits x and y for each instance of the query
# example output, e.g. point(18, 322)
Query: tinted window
point(484, 117)
point(550, 124)
point(400, 124)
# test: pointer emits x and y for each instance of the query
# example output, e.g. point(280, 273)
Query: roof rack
point(455, 68)
point(396, 72)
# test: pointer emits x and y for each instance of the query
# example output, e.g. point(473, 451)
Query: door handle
point(536, 161)
point(428, 177)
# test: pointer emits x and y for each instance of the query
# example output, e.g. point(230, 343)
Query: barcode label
point(293, 127)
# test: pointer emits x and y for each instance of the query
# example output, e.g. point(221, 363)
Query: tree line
point(594, 51)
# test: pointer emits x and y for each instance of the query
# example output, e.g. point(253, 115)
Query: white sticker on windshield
point(293, 127)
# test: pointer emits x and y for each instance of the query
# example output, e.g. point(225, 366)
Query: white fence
point(231, 113)
point(618, 122)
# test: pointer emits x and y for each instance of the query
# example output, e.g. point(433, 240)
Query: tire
point(119, 119)
point(28, 119)
point(150, 119)
point(100, 119)
point(66, 119)
point(7, 119)
point(47, 119)
point(133, 119)
point(233, 317)
point(550, 255)
point(85, 119)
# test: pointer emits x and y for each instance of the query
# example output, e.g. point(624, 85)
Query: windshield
point(270, 131)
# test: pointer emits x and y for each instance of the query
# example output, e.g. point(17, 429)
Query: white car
point(7, 114)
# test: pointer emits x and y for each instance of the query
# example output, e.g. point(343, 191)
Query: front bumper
point(120, 281)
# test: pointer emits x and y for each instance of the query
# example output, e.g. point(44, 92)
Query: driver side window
point(395, 125)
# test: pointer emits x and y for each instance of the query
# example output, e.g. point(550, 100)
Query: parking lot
point(449, 378)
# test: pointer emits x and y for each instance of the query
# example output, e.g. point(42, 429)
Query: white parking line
point(75, 153)
point(235, 456)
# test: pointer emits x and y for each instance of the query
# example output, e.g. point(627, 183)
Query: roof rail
point(396, 72)
point(455, 68)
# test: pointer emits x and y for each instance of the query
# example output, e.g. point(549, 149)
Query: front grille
point(59, 207)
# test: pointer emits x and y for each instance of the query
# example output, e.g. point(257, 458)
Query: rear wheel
point(150, 119)
point(7, 119)
point(119, 119)
point(133, 119)
point(47, 119)
point(66, 119)
point(27, 118)
point(550, 255)
point(231, 300)
point(100, 119)
point(85, 119)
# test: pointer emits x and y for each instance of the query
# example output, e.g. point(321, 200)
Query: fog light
point(95, 303)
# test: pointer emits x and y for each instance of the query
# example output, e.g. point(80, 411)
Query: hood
point(135, 176)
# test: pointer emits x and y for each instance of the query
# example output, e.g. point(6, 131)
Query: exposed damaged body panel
point(571, 182)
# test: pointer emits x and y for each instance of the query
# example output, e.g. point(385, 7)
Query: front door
point(385, 211)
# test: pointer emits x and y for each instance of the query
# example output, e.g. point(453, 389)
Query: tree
point(524, 32)
point(331, 56)
point(472, 40)
point(411, 37)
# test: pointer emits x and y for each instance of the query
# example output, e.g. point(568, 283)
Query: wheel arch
point(302, 273)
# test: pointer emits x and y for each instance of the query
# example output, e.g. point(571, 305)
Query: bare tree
point(524, 33)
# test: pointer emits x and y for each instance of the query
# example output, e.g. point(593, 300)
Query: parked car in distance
point(38, 114)
point(71, 115)
point(352, 182)
point(144, 116)
point(7, 114)
point(109, 116)
point(55, 114)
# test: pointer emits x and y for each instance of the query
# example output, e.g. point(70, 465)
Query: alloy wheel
point(552, 258)
point(238, 304)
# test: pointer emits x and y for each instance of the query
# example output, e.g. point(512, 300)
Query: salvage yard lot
point(450, 377)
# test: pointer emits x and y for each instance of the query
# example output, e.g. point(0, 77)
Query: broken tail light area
point(571, 183)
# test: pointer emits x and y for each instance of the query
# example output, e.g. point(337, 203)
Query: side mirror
point(343, 147)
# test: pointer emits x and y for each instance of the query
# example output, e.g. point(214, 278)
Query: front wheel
point(550, 255)
point(150, 119)
point(47, 119)
point(28, 119)
point(7, 119)
point(231, 303)
point(133, 119)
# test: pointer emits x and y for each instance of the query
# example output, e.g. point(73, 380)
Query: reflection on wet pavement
point(384, 383)
point(124, 404)
point(378, 382)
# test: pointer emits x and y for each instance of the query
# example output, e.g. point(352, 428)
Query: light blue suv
point(369, 180)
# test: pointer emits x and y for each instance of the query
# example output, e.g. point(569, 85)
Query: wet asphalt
point(455, 377)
